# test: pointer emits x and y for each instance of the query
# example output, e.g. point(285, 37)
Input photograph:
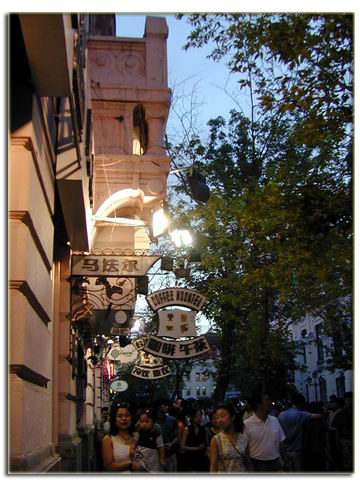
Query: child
point(148, 446)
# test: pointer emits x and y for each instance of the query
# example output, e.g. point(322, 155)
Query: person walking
point(229, 448)
point(102, 428)
point(292, 422)
point(264, 434)
point(248, 410)
point(315, 444)
point(116, 446)
point(343, 422)
point(193, 445)
point(169, 427)
point(335, 457)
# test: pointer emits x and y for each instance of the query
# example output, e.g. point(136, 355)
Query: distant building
point(200, 382)
point(312, 379)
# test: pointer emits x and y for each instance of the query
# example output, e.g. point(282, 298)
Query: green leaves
point(276, 235)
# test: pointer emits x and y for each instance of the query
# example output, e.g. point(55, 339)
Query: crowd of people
point(257, 436)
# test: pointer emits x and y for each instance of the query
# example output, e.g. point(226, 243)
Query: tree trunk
point(223, 378)
point(264, 360)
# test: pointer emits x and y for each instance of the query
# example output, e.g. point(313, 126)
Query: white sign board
point(177, 323)
point(119, 386)
point(127, 354)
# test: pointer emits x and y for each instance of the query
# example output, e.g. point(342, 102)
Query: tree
point(297, 63)
point(276, 236)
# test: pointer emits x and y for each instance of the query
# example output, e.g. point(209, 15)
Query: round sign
point(120, 317)
point(119, 386)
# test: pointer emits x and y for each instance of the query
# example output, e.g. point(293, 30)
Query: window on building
point(204, 391)
point(319, 342)
point(139, 131)
point(340, 386)
point(198, 391)
point(198, 377)
point(188, 392)
point(304, 354)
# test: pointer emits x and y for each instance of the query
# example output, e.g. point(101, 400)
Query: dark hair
point(104, 409)
point(114, 408)
point(257, 399)
point(229, 407)
point(298, 399)
point(162, 401)
point(315, 407)
point(193, 411)
point(151, 413)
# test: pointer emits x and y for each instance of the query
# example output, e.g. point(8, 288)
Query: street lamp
point(181, 238)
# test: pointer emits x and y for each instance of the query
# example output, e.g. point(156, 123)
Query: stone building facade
point(87, 118)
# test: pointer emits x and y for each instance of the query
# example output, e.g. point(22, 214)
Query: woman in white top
point(116, 447)
point(229, 448)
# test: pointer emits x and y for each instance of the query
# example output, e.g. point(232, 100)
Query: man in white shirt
point(264, 434)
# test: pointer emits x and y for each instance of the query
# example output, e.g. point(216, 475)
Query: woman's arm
point(108, 458)
point(162, 456)
point(214, 454)
point(183, 439)
point(184, 447)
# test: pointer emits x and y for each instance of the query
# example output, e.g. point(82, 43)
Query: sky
point(190, 70)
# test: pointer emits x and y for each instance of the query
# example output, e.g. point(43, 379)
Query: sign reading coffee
point(176, 297)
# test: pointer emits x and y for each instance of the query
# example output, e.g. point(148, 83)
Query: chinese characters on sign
point(119, 331)
point(151, 373)
point(112, 266)
point(185, 349)
point(177, 323)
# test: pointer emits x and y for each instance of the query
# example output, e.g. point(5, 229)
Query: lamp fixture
point(181, 238)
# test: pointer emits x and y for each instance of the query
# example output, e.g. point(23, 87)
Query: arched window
point(140, 131)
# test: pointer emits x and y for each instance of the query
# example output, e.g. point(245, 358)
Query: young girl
point(148, 446)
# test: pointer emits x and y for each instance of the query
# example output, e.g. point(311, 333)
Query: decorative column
point(155, 116)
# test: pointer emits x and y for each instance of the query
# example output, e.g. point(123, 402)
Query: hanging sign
point(177, 323)
point(149, 361)
point(119, 386)
point(184, 349)
point(120, 331)
point(151, 373)
point(112, 265)
point(176, 296)
point(127, 354)
point(139, 343)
